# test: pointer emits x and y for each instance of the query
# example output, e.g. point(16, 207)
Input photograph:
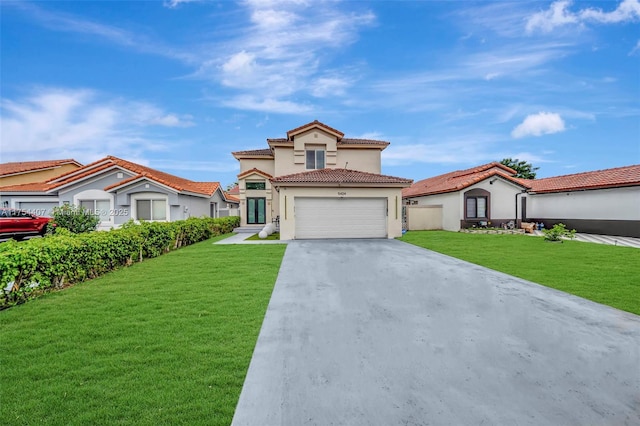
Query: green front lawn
point(166, 341)
point(604, 274)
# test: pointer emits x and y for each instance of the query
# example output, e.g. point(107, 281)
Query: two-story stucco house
point(319, 184)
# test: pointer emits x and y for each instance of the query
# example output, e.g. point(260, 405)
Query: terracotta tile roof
point(348, 141)
point(7, 169)
point(266, 152)
point(341, 176)
point(27, 187)
point(140, 171)
point(234, 191)
point(254, 170)
point(460, 179)
point(172, 181)
point(231, 197)
point(314, 123)
point(598, 179)
point(343, 141)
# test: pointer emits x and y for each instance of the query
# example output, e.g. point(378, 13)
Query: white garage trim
point(326, 217)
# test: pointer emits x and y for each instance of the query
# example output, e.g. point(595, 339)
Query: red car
point(19, 224)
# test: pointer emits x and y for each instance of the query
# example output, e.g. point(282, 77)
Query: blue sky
point(177, 85)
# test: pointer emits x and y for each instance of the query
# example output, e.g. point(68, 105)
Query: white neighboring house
point(319, 184)
point(600, 202)
point(118, 190)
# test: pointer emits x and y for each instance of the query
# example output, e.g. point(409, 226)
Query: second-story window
point(315, 159)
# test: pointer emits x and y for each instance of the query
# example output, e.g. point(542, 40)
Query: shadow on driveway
point(380, 332)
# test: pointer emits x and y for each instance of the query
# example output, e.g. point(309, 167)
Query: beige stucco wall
point(450, 208)
point(266, 165)
point(288, 196)
point(314, 137)
point(37, 176)
point(364, 160)
point(270, 194)
point(601, 204)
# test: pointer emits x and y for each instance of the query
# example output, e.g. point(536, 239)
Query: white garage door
point(341, 218)
point(43, 208)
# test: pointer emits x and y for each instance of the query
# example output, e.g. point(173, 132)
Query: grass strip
point(602, 273)
point(166, 341)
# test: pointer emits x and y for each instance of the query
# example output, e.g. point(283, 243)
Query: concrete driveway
point(379, 332)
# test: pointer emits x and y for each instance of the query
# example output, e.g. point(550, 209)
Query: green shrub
point(76, 219)
point(558, 232)
point(38, 265)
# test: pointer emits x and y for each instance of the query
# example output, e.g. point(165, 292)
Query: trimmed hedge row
point(38, 265)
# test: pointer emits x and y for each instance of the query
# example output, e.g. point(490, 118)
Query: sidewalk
point(604, 239)
point(240, 238)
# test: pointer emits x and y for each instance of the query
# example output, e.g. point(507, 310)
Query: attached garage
point(39, 208)
point(340, 218)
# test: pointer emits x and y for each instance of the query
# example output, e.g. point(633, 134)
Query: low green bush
point(38, 265)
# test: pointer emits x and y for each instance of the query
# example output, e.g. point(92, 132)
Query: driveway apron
point(380, 332)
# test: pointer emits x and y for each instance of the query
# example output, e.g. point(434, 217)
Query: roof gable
point(254, 171)
point(314, 125)
point(461, 179)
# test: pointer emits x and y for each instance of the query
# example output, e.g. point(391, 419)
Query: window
point(256, 185)
point(315, 159)
point(98, 207)
point(476, 207)
point(151, 209)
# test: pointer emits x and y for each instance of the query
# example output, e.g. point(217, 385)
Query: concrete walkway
point(604, 239)
point(380, 332)
point(240, 238)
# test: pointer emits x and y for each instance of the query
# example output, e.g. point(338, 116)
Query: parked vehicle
point(19, 224)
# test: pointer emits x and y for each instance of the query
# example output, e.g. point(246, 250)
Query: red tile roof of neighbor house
point(231, 197)
point(460, 179)
point(7, 169)
point(340, 176)
point(172, 181)
point(235, 190)
point(598, 179)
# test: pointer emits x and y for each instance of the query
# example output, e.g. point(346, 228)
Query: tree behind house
point(524, 170)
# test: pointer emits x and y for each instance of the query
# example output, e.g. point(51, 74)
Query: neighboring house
point(35, 171)
point(600, 202)
point(318, 184)
point(465, 198)
point(119, 190)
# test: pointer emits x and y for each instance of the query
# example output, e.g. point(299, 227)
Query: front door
point(256, 211)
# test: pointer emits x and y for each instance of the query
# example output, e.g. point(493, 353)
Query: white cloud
point(81, 124)
point(172, 4)
point(636, 49)
point(282, 50)
point(555, 16)
point(559, 15)
point(254, 103)
point(543, 123)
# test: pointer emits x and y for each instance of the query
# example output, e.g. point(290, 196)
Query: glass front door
point(256, 211)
